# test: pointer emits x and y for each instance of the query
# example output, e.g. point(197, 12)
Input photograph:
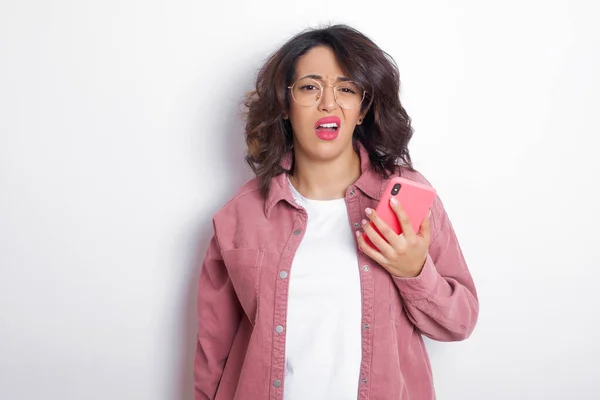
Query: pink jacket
point(243, 288)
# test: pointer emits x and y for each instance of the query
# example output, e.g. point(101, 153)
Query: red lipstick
point(327, 128)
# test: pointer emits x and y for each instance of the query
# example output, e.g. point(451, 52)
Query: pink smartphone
point(416, 199)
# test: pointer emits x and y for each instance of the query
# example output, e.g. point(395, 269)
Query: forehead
point(319, 61)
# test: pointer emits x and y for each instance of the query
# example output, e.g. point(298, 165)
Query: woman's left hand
point(401, 255)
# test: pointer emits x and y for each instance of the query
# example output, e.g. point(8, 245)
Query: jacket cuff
point(422, 286)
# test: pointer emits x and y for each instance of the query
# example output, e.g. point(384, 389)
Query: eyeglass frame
point(322, 86)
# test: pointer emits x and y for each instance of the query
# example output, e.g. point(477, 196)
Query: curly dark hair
point(386, 128)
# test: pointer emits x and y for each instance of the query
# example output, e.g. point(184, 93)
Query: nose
point(327, 102)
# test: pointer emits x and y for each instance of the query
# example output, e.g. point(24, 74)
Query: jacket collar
point(370, 181)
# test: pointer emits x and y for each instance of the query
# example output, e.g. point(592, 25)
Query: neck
point(325, 180)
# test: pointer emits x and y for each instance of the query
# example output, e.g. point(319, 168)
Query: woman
point(292, 303)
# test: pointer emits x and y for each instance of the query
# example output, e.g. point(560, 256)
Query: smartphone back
point(416, 200)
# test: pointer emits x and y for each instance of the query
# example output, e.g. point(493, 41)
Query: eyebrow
point(319, 77)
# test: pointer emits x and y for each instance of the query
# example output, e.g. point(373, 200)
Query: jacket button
point(283, 274)
point(277, 383)
point(297, 232)
point(365, 267)
point(364, 380)
point(279, 329)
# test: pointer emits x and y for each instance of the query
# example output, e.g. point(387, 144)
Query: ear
point(285, 115)
point(361, 116)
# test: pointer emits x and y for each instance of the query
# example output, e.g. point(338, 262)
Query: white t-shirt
point(323, 334)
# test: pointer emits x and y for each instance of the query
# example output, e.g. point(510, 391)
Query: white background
point(120, 137)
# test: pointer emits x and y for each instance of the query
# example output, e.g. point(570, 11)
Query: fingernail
point(393, 201)
point(357, 234)
point(364, 221)
point(368, 211)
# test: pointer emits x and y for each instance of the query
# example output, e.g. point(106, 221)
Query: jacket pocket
point(244, 267)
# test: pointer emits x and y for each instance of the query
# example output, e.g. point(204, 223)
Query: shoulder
point(414, 175)
point(246, 201)
point(241, 222)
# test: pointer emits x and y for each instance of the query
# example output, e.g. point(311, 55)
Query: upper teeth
point(330, 125)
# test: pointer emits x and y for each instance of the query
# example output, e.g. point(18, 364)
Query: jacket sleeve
point(442, 301)
point(219, 315)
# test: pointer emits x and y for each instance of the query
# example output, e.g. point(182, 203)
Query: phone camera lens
point(396, 189)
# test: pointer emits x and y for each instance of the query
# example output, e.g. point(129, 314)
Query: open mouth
point(332, 126)
point(327, 128)
point(328, 124)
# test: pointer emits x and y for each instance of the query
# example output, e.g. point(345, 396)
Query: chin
point(328, 150)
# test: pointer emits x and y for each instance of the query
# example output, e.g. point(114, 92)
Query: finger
point(379, 242)
point(425, 228)
point(407, 229)
point(388, 233)
point(369, 250)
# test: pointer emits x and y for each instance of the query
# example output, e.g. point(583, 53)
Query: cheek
point(300, 118)
point(351, 118)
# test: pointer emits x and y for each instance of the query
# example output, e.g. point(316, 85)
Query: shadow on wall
point(235, 172)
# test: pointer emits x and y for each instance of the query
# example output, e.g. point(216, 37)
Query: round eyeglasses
point(308, 92)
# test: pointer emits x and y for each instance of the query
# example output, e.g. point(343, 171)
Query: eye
point(308, 87)
point(348, 88)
